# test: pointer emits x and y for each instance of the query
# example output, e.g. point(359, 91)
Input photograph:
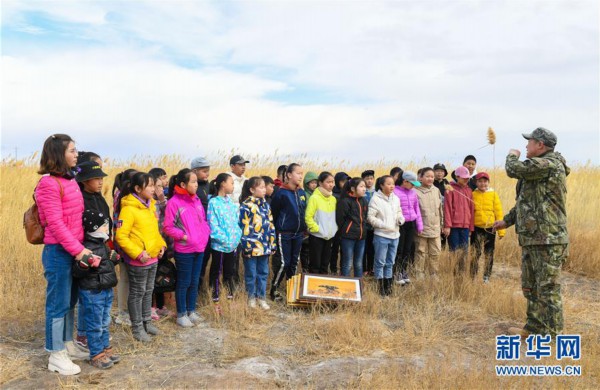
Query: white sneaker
point(195, 318)
point(184, 322)
point(252, 303)
point(61, 363)
point(263, 304)
point(74, 352)
point(400, 281)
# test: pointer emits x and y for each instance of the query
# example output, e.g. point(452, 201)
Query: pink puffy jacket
point(185, 216)
point(62, 218)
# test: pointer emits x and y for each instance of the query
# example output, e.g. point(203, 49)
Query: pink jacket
point(459, 210)
point(62, 218)
point(185, 216)
point(410, 206)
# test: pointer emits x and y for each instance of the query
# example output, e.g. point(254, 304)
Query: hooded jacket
point(289, 208)
point(410, 206)
point(458, 207)
point(432, 211)
point(351, 217)
point(258, 231)
point(185, 216)
point(320, 215)
point(61, 216)
point(385, 215)
point(223, 218)
point(138, 230)
point(337, 190)
point(101, 277)
point(540, 214)
point(310, 176)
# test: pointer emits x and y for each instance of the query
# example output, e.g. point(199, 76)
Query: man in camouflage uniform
point(540, 219)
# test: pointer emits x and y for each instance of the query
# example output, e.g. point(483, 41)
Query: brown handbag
point(34, 231)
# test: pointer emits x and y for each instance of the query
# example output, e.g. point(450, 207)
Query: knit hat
point(93, 220)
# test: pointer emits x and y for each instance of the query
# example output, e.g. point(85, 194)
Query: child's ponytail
point(350, 184)
point(183, 176)
point(215, 185)
point(253, 182)
point(172, 183)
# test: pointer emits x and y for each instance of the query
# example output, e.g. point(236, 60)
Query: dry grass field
point(431, 334)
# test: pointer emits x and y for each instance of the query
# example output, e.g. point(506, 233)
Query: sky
point(352, 80)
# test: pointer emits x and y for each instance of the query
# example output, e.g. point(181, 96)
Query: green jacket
point(310, 176)
point(540, 214)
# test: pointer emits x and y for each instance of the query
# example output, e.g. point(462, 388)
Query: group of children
point(389, 227)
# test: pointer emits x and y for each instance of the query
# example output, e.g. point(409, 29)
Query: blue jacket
point(288, 207)
point(223, 218)
point(258, 231)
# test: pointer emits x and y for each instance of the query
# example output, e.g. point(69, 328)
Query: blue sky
point(350, 80)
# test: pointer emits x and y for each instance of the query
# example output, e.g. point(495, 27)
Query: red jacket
point(459, 208)
point(62, 217)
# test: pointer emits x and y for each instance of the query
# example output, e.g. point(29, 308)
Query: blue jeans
point(352, 254)
point(96, 313)
point(385, 255)
point(458, 239)
point(61, 297)
point(189, 266)
point(256, 271)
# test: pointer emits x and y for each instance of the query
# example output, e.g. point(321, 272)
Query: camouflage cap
point(546, 136)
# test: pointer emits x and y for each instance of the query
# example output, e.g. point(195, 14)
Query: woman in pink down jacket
point(185, 222)
point(60, 205)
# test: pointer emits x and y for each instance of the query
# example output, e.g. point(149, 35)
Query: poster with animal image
point(331, 288)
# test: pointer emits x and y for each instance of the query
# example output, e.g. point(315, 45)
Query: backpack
point(34, 231)
point(166, 277)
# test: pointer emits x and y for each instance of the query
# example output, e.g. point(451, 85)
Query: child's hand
point(184, 238)
point(446, 232)
point(162, 252)
point(84, 252)
point(144, 257)
point(114, 257)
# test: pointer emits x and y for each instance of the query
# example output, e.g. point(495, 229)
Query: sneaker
point(123, 319)
point(230, 296)
point(252, 303)
point(486, 279)
point(110, 352)
point(154, 315)
point(405, 278)
point(263, 304)
point(101, 361)
point(163, 312)
point(76, 353)
point(194, 317)
point(61, 363)
point(399, 280)
point(184, 322)
point(82, 343)
point(151, 329)
point(141, 335)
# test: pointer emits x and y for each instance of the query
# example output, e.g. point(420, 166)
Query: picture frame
point(330, 288)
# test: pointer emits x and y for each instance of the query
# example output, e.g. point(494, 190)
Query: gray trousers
point(141, 285)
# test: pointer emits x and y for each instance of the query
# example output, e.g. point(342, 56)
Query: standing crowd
point(391, 227)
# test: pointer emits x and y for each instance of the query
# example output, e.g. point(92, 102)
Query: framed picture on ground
point(330, 288)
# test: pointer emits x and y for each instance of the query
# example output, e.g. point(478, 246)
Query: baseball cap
point(541, 134)
point(237, 159)
point(411, 177)
point(482, 175)
point(462, 172)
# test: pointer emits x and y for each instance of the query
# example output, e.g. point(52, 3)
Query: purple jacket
point(62, 217)
point(410, 206)
point(185, 216)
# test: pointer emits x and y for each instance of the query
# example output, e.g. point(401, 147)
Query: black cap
point(89, 170)
point(93, 220)
point(237, 159)
point(441, 166)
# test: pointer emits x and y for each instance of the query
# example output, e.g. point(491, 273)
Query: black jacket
point(351, 217)
point(202, 193)
point(100, 278)
point(95, 201)
point(441, 185)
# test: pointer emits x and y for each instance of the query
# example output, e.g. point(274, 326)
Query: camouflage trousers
point(540, 273)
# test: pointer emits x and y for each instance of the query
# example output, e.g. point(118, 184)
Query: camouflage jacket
point(540, 215)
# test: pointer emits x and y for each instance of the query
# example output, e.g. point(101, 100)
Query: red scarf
point(181, 191)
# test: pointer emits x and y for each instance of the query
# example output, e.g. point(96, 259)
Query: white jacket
point(238, 183)
point(385, 215)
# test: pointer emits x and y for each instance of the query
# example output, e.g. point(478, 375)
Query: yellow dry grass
point(431, 335)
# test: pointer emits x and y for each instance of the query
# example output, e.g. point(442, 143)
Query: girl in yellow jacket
point(487, 210)
point(138, 236)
